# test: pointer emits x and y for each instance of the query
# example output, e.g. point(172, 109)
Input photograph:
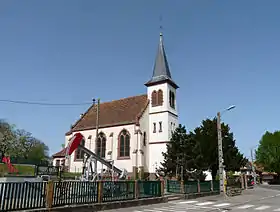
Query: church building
point(132, 132)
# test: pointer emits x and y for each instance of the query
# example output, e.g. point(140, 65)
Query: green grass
point(23, 170)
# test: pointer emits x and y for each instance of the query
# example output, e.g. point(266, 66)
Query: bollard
point(198, 186)
point(212, 188)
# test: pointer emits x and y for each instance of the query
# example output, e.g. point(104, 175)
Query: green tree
point(8, 142)
point(182, 155)
point(20, 145)
point(268, 152)
point(207, 136)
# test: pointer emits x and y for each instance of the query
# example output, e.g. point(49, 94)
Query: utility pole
point(96, 136)
point(253, 167)
point(220, 153)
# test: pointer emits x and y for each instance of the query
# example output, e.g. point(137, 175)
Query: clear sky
point(220, 53)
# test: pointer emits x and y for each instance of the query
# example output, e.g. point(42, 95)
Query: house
point(133, 131)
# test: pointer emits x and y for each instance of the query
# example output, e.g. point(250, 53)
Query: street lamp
point(253, 166)
point(220, 148)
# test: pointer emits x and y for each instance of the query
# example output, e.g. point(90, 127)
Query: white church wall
point(76, 166)
point(144, 127)
point(173, 124)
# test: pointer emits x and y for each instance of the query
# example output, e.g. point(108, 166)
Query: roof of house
point(114, 113)
point(60, 154)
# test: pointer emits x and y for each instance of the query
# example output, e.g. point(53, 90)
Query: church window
point(159, 97)
point(160, 126)
point(154, 99)
point(80, 153)
point(144, 139)
point(155, 128)
point(124, 144)
point(101, 145)
point(172, 99)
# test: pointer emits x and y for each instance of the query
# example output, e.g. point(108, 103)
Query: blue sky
point(220, 53)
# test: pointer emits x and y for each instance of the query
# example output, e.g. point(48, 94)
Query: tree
point(182, 155)
point(268, 152)
point(7, 139)
point(20, 145)
point(207, 136)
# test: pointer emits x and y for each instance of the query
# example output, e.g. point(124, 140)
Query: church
point(133, 131)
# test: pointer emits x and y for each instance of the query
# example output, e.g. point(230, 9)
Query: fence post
point(49, 194)
point(212, 189)
point(198, 186)
point(100, 191)
point(162, 187)
point(182, 187)
point(136, 189)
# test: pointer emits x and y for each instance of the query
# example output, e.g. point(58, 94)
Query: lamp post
point(96, 132)
point(220, 148)
point(253, 167)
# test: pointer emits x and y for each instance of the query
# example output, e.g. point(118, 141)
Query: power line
point(42, 103)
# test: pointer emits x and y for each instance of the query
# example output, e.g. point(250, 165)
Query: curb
point(105, 206)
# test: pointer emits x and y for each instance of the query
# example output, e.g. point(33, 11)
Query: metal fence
point(34, 195)
point(20, 196)
point(189, 187)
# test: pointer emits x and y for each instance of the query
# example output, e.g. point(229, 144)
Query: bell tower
point(163, 115)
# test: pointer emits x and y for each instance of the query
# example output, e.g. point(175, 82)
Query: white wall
point(76, 166)
point(166, 115)
point(144, 127)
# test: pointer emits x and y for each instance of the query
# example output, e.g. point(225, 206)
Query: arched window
point(154, 99)
point(159, 97)
point(101, 145)
point(172, 99)
point(124, 144)
point(80, 153)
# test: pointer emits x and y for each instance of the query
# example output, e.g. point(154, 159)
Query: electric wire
point(43, 103)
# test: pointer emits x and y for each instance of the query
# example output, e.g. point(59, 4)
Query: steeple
point(161, 71)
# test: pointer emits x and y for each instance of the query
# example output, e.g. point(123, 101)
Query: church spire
point(161, 71)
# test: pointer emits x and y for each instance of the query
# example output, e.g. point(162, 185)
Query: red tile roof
point(118, 112)
point(60, 154)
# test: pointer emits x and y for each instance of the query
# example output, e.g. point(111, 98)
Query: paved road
point(258, 199)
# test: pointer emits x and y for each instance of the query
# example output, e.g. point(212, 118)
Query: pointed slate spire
point(161, 71)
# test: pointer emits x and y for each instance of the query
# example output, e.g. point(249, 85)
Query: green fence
point(118, 190)
point(189, 187)
point(34, 195)
point(148, 189)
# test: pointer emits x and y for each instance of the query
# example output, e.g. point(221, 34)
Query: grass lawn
point(23, 170)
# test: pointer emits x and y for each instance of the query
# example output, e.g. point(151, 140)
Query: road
point(257, 199)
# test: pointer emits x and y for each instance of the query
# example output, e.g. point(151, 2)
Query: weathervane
point(160, 25)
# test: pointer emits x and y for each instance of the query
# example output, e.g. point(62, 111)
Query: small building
point(133, 131)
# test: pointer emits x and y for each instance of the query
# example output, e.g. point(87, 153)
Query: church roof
point(114, 113)
point(161, 71)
